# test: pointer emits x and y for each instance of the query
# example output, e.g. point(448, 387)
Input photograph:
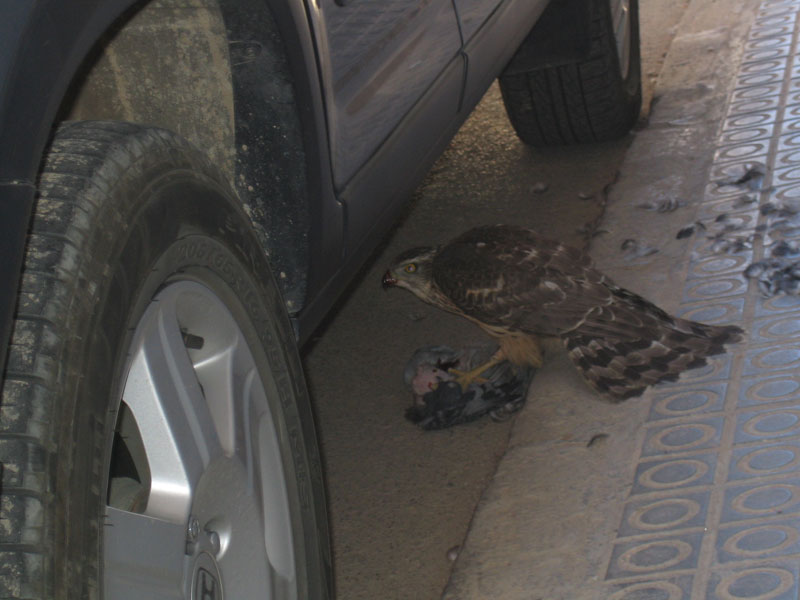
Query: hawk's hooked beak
point(388, 280)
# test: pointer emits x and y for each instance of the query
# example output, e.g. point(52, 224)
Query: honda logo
point(206, 586)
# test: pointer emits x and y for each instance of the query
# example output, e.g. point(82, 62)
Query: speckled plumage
point(517, 285)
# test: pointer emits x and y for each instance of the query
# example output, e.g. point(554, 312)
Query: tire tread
point(574, 103)
point(83, 164)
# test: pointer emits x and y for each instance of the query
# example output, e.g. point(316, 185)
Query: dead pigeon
point(439, 401)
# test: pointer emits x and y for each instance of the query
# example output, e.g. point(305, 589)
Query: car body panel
point(386, 109)
point(383, 56)
point(472, 14)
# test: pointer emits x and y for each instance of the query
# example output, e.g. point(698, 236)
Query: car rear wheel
point(156, 435)
point(595, 99)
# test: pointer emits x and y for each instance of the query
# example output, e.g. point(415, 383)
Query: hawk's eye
point(410, 268)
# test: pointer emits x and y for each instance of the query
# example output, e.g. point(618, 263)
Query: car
point(186, 187)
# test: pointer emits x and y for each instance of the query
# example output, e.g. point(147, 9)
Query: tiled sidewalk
point(695, 492)
point(714, 508)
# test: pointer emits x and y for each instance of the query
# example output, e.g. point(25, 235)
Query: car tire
point(595, 99)
point(156, 436)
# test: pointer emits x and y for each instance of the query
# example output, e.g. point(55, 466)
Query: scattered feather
point(784, 248)
point(752, 178)
point(775, 276)
point(768, 208)
point(689, 230)
point(452, 553)
point(662, 205)
point(585, 196)
point(732, 245)
point(597, 439)
point(634, 249)
point(744, 200)
point(540, 187)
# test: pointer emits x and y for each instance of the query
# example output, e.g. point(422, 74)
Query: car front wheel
point(156, 436)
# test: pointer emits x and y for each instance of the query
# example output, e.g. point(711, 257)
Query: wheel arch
point(560, 36)
point(148, 63)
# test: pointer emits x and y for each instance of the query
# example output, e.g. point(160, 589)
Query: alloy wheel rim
point(621, 24)
point(216, 519)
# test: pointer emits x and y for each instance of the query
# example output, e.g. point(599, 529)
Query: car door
point(382, 56)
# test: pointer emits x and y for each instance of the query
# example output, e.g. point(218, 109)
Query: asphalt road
point(400, 498)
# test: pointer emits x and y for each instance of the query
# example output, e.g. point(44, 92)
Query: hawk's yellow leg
point(516, 347)
point(466, 378)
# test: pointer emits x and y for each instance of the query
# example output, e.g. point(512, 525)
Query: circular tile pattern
point(699, 290)
point(764, 43)
point(768, 461)
point(782, 422)
point(790, 141)
point(777, 358)
point(780, 303)
point(673, 473)
point(760, 78)
point(715, 313)
point(718, 264)
point(788, 157)
point(780, 329)
point(755, 584)
point(766, 499)
point(754, 55)
point(652, 590)
point(789, 193)
point(686, 402)
point(664, 514)
point(747, 106)
point(786, 176)
point(791, 126)
point(652, 556)
point(771, 390)
point(774, 20)
point(744, 135)
point(760, 541)
point(682, 437)
point(740, 151)
point(749, 120)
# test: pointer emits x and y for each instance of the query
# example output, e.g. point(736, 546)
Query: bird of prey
point(517, 285)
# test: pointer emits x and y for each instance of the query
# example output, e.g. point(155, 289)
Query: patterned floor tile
point(714, 508)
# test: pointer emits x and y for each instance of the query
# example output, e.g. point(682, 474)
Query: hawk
point(517, 286)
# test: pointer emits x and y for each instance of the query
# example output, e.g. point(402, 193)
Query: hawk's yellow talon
point(467, 378)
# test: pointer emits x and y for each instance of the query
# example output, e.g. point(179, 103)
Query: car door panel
point(382, 57)
point(495, 42)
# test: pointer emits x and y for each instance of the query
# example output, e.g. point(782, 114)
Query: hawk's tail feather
point(623, 368)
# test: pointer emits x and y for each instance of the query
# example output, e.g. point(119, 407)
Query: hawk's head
point(412, 270)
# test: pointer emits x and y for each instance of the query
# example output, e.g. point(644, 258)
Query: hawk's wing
point(509, 277)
